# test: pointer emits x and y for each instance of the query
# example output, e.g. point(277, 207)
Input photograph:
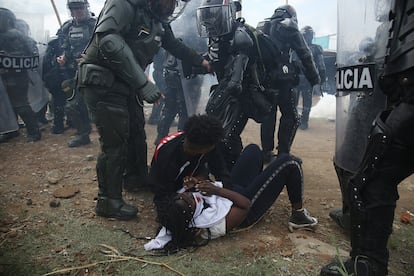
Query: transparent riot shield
point(360, 52)
point(38, 95)
point(36, 21)
point(8, 119)
point(185, 28)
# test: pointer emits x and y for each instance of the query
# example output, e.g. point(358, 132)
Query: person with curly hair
point(191, 152)
point(202, 207)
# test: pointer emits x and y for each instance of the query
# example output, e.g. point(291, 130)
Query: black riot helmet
point(216, 17)
point(79, 9)
point(7, 20)
point(167, 10)
point(22, 26)
point(308, 34)
point(286, 14)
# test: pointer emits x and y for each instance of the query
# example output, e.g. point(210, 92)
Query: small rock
point(89, 157)
point(66, 192)
point(54, 203)
point(53, 176)
point(29, 201)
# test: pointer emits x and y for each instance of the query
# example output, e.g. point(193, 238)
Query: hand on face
point(206, 187)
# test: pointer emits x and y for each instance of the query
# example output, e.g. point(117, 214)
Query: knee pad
point(112, 122)
point(378, 142)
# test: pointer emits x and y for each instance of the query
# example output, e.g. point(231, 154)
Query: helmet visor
point(168, 10)
point(213, 21)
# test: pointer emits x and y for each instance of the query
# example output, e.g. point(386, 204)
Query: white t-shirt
point(210, 213)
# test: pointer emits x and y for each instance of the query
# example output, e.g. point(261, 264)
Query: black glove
point(149, 92)
point(68, 85)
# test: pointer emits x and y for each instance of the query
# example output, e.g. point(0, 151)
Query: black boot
point(79, 140)
point(360, 265)
point(115, 208)
point(29, 118)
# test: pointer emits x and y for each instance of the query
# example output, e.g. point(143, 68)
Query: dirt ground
point(32, 174)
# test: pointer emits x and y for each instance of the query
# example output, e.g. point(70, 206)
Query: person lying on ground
point(203, 208)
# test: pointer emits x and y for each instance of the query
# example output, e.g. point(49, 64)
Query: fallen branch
point(118, 258)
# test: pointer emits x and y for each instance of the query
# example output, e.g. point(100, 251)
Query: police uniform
point(127, 36)
point(74, 36)
point(232, 52)
point(53, 75)
point(388, 157)
point(304, 88)
point(286, 37)
point(17, 56)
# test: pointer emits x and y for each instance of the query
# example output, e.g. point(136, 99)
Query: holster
point(95, 75)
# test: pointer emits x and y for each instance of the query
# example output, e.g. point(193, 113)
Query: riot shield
point(37, 95)
point(8, 120)
point(360, 53)
point(185, 28)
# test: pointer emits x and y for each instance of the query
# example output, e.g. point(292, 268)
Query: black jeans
point(263, 187)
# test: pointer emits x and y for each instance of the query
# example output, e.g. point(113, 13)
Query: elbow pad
point(241, 40)
point(117, 56)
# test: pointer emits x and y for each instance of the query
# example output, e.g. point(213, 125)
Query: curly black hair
point(177, 217)
point(203, 130)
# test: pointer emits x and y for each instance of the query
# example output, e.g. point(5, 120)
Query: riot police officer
point(285, 35)
point(111, 77)
point(17, 57)
point(53, 75)
point(304, 87)
point(388, 158)
point(174, 103)
point(75, 34)
point(233, 54)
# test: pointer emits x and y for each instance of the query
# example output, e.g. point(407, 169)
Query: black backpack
point(274, 65)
